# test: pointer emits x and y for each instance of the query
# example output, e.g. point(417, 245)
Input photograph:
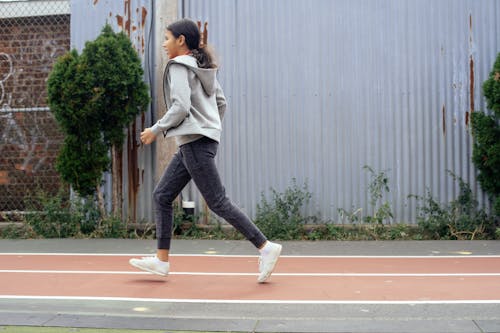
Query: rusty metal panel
point(318, 89)
point(135, 17)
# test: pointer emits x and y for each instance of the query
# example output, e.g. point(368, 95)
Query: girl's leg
point(199, 160)
point(170, 185)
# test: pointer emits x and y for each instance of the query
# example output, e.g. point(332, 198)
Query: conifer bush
point(486, 133)
point(94, 96)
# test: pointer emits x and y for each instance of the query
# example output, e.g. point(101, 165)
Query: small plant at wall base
point(94, 97)
point(57, 216)
point(381, 209)
point(282, 217)
point(486, 133)
point(379, 185)
point(350, 217)
point(54, 216)
point(184, 224)
point(460, 219)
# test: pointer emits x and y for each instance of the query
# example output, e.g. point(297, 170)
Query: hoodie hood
point(207, 76)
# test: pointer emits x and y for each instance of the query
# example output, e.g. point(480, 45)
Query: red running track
point(233, 278)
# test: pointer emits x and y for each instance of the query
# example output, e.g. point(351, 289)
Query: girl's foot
point(151, 265)
point(268, 259)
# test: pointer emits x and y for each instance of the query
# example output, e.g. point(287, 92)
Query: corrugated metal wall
point(135, 17)
point(318, 89)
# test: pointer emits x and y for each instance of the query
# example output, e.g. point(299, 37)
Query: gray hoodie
point(194, 99)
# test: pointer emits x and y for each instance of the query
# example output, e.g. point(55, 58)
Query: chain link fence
point(33, 34)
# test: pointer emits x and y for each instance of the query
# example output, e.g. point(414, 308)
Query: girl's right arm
point(180, 95)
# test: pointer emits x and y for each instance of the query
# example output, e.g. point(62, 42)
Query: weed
point(184, 224)
point(351, 217)
point(52, 216)
point(110, 227)
point(378, 185)
point(281, 217)
point(59, 217)
point(16, 231)
point(459, 219)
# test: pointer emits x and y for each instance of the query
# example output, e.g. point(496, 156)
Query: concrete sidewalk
point(255, 317)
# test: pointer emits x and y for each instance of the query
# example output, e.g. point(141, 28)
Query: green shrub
point(459, 219)
point(94, 96)
point(282, 217)
point(486, 133)
point(119, 93)
point(491, 88)
point(486, 155)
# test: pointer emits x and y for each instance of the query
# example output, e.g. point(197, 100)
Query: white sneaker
point(267, 262)
point(151, 265)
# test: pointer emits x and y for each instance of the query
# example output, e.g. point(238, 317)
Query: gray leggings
point(196, 160)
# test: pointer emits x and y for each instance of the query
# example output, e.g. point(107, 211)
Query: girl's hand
point(148, 136)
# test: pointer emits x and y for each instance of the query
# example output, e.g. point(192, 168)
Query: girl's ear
point(181, 40)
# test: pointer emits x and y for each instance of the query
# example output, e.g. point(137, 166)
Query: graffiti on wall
point(29, 136)
point(26, 141)
point(7, 70)
point(27, 69)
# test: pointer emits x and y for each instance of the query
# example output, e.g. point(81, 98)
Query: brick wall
point(29, 137)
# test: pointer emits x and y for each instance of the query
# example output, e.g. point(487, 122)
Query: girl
point(196, 106)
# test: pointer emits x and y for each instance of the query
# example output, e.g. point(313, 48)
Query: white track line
point(227, 301)
point(254, 274)
point(247, 256)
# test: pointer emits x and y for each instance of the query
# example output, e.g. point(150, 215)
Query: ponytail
point(204, 57)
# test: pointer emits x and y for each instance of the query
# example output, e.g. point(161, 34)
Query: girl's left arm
point(221, 99)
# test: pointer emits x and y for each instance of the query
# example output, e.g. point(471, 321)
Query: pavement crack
point(255, 326)
point(54, 317)
point(477, 325)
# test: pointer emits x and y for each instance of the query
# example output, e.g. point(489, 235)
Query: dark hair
point(191, 32)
